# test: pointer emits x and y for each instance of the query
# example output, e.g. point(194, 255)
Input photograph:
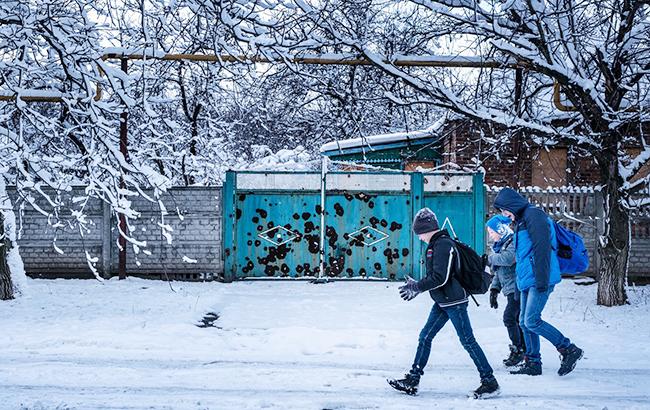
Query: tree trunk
point(613, 247)
point(6, 286)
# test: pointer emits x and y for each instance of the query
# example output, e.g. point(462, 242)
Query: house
point(518, 160)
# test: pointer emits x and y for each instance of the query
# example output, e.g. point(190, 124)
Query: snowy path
point(133, 345)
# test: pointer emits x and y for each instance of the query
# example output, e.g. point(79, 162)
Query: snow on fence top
point(549, 190)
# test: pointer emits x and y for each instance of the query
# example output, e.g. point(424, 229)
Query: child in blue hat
point(502, 263)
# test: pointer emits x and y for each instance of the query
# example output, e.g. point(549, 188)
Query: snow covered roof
point(382, 139)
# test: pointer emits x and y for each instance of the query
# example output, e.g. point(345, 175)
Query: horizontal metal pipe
point(327, 59)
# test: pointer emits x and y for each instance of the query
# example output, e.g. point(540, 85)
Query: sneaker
point(569, 357)
point(488, 388)
point(409, 384)
point(529, 368)
point(516, 356)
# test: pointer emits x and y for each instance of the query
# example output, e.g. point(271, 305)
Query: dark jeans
point(459, 318)
point(530, 319)
point(511, 320)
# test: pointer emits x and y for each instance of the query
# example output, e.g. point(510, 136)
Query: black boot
point(569, 357)
point(516, 356)
point(488, 388)
point(529, 368)
point(409, 384)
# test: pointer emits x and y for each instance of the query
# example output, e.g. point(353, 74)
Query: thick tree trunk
point(614, 245)
point(6, 286)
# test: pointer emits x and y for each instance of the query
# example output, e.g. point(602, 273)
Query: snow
point(14, 260)
point(296, 159)
point(432, 131)
point(133, 344)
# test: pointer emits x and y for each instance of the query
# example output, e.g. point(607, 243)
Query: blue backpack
point(572, 254)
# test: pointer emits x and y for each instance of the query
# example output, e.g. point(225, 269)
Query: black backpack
point(472, 275)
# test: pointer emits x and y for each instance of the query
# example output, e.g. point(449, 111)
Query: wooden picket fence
point(581, 209)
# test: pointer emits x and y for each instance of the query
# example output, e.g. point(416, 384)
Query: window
point(549, 168)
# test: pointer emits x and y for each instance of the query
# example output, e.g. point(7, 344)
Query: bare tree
point(596, 51)
point(50, 50)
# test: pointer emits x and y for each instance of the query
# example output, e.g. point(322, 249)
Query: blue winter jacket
point(535, 242)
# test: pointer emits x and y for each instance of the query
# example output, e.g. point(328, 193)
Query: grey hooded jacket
point(503, 266)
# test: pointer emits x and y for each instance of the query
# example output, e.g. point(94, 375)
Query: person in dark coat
point(538, 271)
point(450, 299)
point(502, 264)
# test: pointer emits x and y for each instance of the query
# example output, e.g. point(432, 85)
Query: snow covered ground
point(133, 344)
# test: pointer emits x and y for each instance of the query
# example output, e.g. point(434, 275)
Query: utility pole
point(121, 241)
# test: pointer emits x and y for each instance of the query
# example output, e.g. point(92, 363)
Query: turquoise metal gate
point(272, 222)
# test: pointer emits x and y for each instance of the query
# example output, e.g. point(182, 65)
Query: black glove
point(493, 298)
point(485, 259)
point(542, 289)
point(409, 290)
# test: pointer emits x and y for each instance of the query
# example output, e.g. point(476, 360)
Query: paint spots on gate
point(364, 197)
point(279, 252)
point(270, 270)
point(285, 269)
point(343, 250)
point(305, 269)
point(332, 236)
point(356, 240)
point(391, 255)
point(248, 268)
point(335, 266)
point(313, 243)
point(309, 227)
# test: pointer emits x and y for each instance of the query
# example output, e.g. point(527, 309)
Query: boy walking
point(502, 264)
point(450, 305)
point(538, 271)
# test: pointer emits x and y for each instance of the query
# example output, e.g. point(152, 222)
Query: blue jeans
point(459, 318)
point(530, 320)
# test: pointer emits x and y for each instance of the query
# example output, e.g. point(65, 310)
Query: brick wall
point(517, 162)
point(196, 235)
